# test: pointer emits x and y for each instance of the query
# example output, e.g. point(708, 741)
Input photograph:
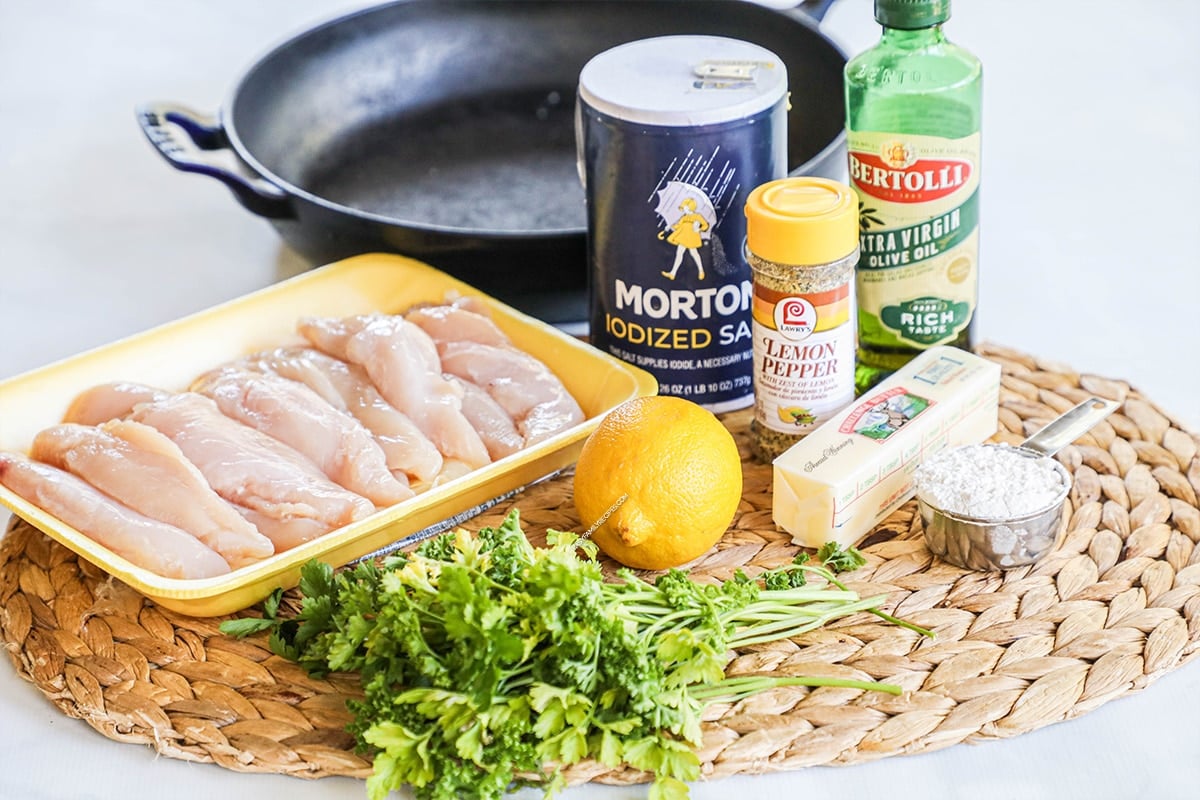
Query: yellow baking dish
point(172, 355)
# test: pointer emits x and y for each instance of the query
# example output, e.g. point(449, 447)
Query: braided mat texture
point(1117, 606)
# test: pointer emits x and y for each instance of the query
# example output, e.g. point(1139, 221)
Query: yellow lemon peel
point(679, 472)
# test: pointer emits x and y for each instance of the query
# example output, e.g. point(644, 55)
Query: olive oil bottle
point(913, 108)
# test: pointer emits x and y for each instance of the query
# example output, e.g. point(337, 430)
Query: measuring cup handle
point(1070, 426)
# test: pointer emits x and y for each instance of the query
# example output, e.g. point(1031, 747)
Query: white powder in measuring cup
point(992, 481)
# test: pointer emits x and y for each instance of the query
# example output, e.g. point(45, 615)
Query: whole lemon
point(669, 475)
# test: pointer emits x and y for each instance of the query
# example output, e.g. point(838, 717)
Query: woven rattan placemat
point(1114, 608)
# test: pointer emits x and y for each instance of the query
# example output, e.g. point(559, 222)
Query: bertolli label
point(919, 223)
point(921, 181)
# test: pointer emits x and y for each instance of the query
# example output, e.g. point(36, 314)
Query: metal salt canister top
point(673, 133)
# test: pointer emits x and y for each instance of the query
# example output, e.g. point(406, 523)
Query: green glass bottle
point(913, 108)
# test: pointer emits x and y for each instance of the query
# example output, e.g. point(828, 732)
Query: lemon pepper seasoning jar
point(802, 234)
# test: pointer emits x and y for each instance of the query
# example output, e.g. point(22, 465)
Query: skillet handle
point(814, 10)
point(194, 142)
point(817, 9)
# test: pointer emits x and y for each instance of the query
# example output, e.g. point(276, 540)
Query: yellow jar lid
point(802, 220)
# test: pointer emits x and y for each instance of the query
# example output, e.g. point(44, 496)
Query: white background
point(1090, 213)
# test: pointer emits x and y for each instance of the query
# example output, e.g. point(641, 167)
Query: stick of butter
point(837, 483)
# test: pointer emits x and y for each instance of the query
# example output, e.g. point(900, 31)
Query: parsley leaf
point(246, 626)
point(840, 559)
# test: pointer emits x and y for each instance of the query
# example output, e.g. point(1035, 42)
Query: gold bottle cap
point(802, 220)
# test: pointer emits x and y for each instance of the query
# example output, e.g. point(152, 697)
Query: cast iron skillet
point(444, 130)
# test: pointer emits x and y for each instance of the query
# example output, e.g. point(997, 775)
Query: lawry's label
point(803, 357)
point(917, 280)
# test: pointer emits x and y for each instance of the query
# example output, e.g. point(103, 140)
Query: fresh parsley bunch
point(489, 664)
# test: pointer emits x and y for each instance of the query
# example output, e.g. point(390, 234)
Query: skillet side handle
point(816, 9)
point(812, 10)
point(194, 142)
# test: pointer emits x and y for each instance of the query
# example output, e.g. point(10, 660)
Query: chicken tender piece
point(493, 424)
point(455, 322)
point(347, 387)
point(284, 533)
point(247, 467)
point(109, 401)
point(402, 362)
point(524, 387)
point(297, 416)
point(532, 395)
point(146, 471)
point(147, 543)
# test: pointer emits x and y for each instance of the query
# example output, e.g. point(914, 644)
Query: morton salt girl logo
point(686, 218)
point(691, 198)
point(689, 218)
point(897, 175)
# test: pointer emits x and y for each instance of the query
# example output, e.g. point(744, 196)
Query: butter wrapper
point(838, 482)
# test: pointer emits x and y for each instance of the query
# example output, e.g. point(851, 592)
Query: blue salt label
point(670, 285)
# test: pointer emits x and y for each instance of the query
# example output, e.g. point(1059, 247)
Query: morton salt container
point(673, 134)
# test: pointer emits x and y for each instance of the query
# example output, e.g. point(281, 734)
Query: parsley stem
point(762, 633)
point(734, 689)
point(888, 617)
point(912, 626)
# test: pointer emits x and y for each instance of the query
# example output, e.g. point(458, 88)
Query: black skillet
point(443, 130)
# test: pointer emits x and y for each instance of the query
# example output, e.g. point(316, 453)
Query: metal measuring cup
point(983, 543)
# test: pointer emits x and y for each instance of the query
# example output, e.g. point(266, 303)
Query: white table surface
point(1091, 163)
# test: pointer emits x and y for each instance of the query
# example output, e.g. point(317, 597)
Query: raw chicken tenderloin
point(402, 362)
point(142, 469)
point(248, 467)
point(523, 386)
point(455, 322)
point(492, 422)
point(463, 322)
point(452, 469)
point(297, 416)
point(147, 543)
point(284, 533)
point(347, 386)
point(109, 401)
